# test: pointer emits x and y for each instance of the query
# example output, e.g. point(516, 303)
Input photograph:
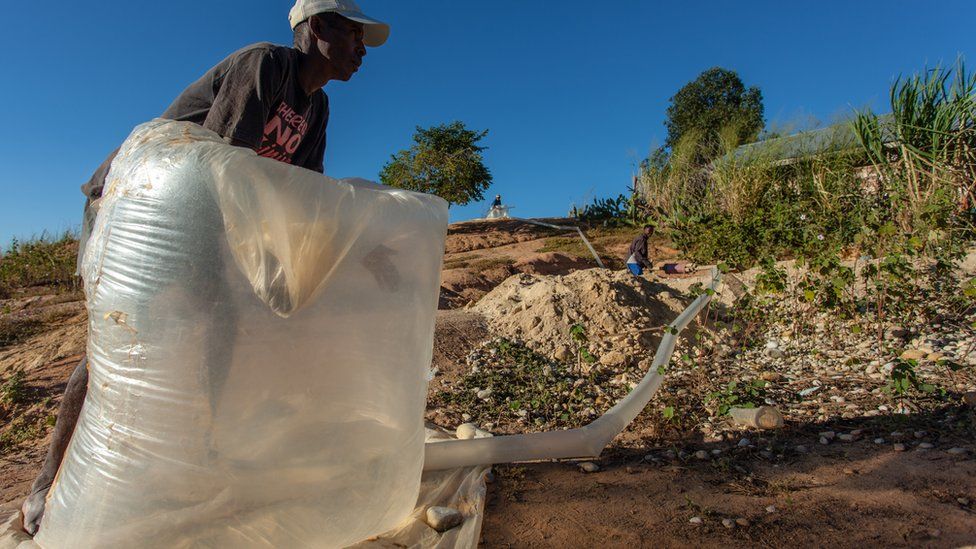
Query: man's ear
point(317, 26)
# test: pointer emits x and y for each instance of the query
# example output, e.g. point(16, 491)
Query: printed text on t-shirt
point(283, 133)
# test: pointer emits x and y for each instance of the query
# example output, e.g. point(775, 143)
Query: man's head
point(337, 33)
point(648, 230)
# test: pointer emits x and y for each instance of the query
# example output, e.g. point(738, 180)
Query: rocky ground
point(856, 463)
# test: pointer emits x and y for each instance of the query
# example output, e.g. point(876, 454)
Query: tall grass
point(42, 261)
point(828, 188)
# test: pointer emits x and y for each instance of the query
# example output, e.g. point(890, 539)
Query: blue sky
point(573, 93)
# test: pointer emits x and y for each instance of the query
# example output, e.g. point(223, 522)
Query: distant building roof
point(809, 143)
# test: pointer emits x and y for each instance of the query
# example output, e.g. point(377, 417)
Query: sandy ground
point(839, 495)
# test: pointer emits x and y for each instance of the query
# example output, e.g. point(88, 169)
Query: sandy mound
point(619, 312)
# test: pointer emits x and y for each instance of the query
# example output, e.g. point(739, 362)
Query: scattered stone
point(695, 520)
point(775, 353)
point(879, 440)
point(443, 519)
point(913, 354)
point(925, 446)
point(899, 447)
point(589, 467)
point(920, 434)
point(728, 523)
point(742, 522)
point(744, 443)
point(465, 431)
point(829, 435)
point(801, 449)
point(701, 454)
point(957, 451)
point(824, 440)
point(484, 394)
point(963, 501)
point(846, 437)
point(849, 471)
point(771, 509)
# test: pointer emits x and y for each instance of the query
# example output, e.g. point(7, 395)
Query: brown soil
point(844, 495)
point(858, 496)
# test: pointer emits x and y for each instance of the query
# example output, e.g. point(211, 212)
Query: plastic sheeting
point(259, 338)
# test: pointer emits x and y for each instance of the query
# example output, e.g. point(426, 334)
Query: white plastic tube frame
point(564, 227)
point(587, 441)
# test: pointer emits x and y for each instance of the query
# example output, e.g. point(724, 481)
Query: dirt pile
point(621, 314)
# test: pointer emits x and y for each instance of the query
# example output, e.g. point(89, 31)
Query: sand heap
point(618, 311)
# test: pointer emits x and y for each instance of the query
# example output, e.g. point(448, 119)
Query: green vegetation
point(43, 261)
point(445, 160)
point(530, 388)
point(14, 390)
point(714, 109)
point(870, 189)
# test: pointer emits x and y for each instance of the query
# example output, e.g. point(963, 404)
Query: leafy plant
point(445, 160)
point(903, 379)
point(577, 333)
point(735, 395)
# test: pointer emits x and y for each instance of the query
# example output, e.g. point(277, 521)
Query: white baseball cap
point(376, 32)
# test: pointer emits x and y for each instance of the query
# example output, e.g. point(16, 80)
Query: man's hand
point(379, 264)
point(33, 509)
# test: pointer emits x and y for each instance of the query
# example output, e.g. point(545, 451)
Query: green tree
point(718, 110)
point(444, 160)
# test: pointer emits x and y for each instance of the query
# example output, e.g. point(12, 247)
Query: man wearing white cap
point(265, 97)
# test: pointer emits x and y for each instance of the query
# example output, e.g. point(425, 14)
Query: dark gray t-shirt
point(255, 98)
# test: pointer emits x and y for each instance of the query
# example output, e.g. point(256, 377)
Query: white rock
point(465, 431)
point(879, 440)
point(846, 437)
point(926, 446)
point(728, 523)
point(701, 454)
point(443, 519)
point(484, 394)
point(695, 520)
point(957, 451)
point(899, 447)
point(589, 467)
point(771, 509)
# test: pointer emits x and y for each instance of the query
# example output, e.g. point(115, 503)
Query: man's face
point(345, 48)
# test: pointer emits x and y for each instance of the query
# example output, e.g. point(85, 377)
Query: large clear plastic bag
point(259, 338)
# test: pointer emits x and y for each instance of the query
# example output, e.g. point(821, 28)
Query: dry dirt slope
point(650, 484)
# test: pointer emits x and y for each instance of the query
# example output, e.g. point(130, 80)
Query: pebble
point(962, 501)
point(695, 520)
point(925, 446)
point(742, 522)
point(484, 394)
point(846, 437)
point(728, 523)
point(829, 435)
point(744, 442)
point(443, 519)
point(899, 447)
point(771, 509)
point(879, 441)
point(957, 451)
point(824, 440)
point(589, 467)
point(801, 449)
point(465, 431)
point(701, 454)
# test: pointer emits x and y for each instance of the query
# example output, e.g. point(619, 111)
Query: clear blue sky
point(573, 92)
